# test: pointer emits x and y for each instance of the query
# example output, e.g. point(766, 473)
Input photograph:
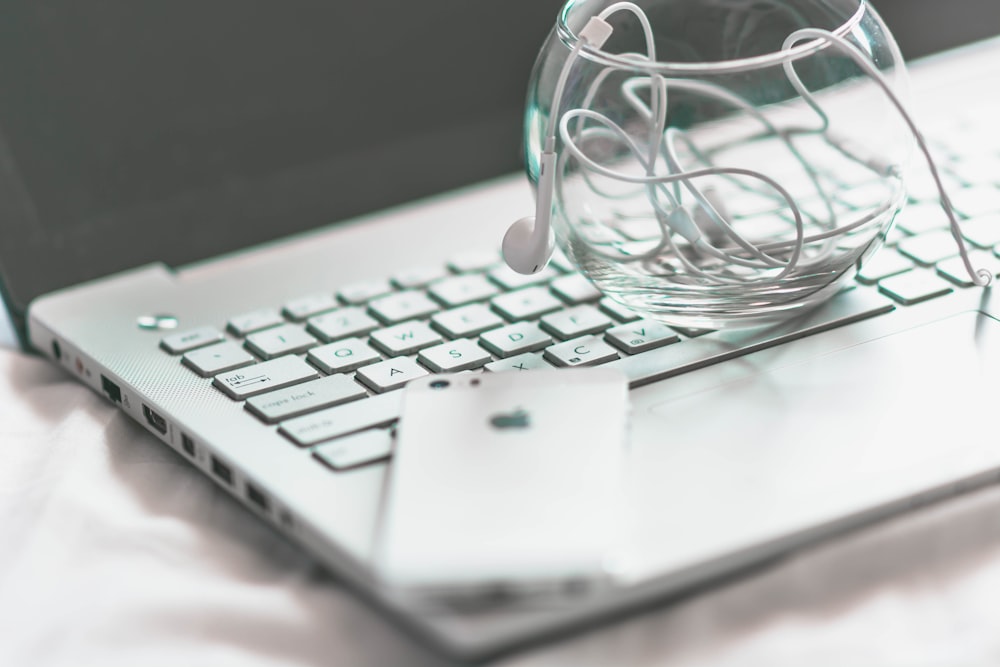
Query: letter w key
point(405, 338)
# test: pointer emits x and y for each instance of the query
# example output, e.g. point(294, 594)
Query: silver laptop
point(188, 198)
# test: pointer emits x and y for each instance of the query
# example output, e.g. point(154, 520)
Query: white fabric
point(113, 551)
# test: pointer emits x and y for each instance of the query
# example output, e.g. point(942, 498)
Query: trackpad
point(938, 381)
point(813, 442)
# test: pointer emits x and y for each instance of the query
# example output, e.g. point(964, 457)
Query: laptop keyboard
point(326, 369)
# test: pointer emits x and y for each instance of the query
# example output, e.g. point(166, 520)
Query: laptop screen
point(175, 131)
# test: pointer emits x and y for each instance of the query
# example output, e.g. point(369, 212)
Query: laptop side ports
point(154, 419)
point(111, 390)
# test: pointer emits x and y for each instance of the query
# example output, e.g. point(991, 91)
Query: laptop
point(178, 180)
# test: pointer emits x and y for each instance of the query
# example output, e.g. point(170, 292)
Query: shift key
point(267, 376)
point(334, 422)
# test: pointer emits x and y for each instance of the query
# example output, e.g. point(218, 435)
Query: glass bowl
point(726, 163)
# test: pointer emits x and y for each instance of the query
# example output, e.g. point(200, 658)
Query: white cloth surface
point(115, 552)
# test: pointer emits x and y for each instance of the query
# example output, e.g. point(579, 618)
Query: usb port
point(257, 497)
point(222, 471)
point(187, 444)
point(154, 419)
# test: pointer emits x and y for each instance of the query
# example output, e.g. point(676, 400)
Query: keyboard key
point(359, 293)
point(976, 201)
point(522, 362)
point(473, 261)
point(526, 304)
point(344, 356)
point(929, 249)
point(885, 263)
point(985, 231)
point(300, 399)
point(356, 450)
point(466, 321)
point(921, 218)
point(405, 338)
point(914, 287)
point(344, 419)
point(617, 311)
point(390, 374)
point(920, 185)
point(843, 309)
point(191, 340)
point(575, 322)
point(509, 279)
point(279, 341)
point(978, 170)
point(586, 351)
point(307, 306)
point(965, 141)
point(457, 355)
point(248, 323)
point(575, 288)
point(866, 196)
point(264, 377)
point(692, 332)
point(515, 339)
point(894, 236)
point(560, 262)
point(418, 277)
point(218, 358)
point(402, 306)
point(461, 290)
point(342, 323)
point(641, 336)
point(954, 269)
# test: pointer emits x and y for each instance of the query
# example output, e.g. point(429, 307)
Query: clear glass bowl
point(773, 173)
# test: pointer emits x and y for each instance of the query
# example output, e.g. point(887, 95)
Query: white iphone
point(505, 483)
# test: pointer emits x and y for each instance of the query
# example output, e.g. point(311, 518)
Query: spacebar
point(846, 308)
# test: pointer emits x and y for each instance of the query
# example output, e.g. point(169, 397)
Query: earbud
point(706, 221)
point(706, 225)
point(527, 247)
point(529, 242)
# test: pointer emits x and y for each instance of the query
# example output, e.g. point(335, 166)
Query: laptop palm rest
point(876, 426)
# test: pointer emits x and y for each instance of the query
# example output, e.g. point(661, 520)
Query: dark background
point(925, 26)
point(174, 131)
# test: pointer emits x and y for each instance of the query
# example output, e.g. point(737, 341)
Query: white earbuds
point(529, 242)
point(708, 230)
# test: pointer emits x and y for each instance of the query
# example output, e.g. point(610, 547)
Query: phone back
point(509, 480)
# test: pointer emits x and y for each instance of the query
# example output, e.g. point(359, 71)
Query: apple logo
point(516, 419)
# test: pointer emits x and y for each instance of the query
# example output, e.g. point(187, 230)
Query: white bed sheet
point(113, 551)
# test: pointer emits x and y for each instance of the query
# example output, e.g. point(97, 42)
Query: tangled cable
point(703, 240)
